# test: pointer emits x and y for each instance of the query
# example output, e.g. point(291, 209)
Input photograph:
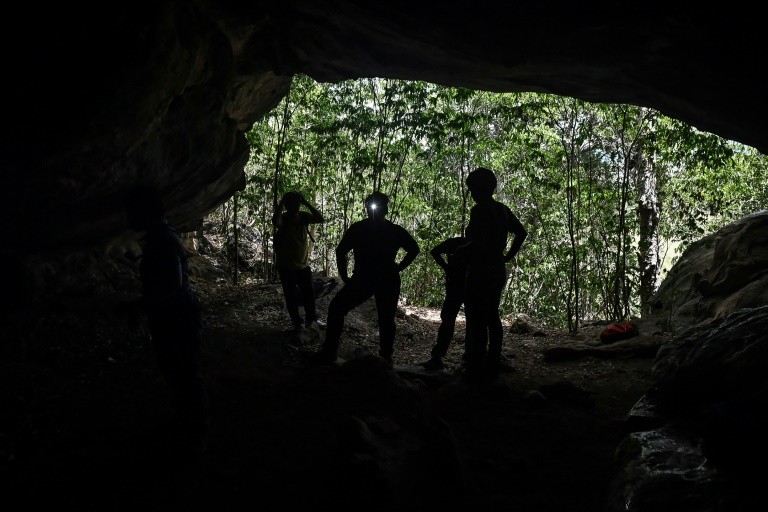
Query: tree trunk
point(620, 287)
point(281, 140)
point(236, 256)
point(648, 245)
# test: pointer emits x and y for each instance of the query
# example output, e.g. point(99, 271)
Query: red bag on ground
point(616, 332)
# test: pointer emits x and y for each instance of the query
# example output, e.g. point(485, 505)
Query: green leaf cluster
point(583, 178)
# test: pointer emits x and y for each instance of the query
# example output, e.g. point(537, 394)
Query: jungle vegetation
point(610, 194)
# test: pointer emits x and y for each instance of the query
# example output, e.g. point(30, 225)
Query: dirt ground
point(82, 404)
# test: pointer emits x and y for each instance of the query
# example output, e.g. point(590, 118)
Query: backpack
point(617, 332)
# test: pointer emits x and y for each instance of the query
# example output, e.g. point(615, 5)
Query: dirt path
point(84, 403)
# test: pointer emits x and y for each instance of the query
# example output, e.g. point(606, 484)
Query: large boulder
point(723, 272)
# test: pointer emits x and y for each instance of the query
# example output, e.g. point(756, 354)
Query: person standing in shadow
point(455, 269)
point(174, 321)
point(292, 250)
point(490, 223)
point(374, 243)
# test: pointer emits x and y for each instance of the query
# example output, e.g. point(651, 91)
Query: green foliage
point(568, 169)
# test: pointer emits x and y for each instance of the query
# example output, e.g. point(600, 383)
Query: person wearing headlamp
point(375, 243)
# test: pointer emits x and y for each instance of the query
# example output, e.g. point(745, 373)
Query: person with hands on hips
point(374, 243)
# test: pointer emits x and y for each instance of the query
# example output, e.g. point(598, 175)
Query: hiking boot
point(316, 325)
point(434, 363)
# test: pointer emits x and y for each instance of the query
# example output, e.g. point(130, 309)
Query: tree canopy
point(608, 193)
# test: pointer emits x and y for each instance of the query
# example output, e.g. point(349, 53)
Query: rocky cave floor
point(82, 404)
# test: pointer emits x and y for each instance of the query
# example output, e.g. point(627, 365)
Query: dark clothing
point(456, 271)
point(174, 320)
point(164, 270)
point(298, 288)
point(484, 287)
point(489, 226)
point(455, 285)
point(454, 298)
point(356, 291)
point(375, 245)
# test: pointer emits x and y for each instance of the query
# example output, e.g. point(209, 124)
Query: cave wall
point(163, 92)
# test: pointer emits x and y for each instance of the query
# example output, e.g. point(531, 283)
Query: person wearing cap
point(374, 243)
point(490, 224)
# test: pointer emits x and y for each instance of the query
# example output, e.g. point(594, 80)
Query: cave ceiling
point(163, 92)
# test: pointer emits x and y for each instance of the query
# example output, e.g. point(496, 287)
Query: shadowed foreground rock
point(702, 439)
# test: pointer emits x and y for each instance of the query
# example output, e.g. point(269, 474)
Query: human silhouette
point(292, 250)
point(173, 318)
point(490, 223)
point(455, 269)
point(374, 243)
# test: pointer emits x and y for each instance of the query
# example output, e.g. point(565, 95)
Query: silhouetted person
point(173, 317)
point(455, 269)
point(292, 250)
point(374, 243)
point(490, 223)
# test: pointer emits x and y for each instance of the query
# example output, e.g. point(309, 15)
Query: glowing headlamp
point(373, 206)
